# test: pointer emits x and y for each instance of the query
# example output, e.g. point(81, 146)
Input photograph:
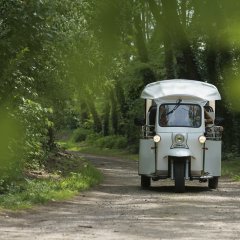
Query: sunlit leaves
point(11, 146)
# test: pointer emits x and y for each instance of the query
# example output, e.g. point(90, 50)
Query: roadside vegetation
point(231, 168)
point(64, 176)
point(91, 143)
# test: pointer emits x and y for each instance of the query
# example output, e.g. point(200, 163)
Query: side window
point(152, 115)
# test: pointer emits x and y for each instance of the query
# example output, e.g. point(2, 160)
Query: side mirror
point(139, 121)
point(219, 121)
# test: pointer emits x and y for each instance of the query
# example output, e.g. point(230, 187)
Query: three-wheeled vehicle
point(179, 138)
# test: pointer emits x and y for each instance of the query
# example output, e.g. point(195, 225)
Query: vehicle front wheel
point(145, 181)
point(179, 175)
point(213, 183)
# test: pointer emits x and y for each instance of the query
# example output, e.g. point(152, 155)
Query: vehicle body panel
point(147, 157)
point(213, 157)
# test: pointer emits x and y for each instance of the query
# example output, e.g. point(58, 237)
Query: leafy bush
point(23, 141)
point(36, 123)
point(11, 149)
point(91, 138)
point(120, 142)
point(113, 141)
point(80, 134)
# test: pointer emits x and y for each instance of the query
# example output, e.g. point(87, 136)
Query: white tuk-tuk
point(179, 138)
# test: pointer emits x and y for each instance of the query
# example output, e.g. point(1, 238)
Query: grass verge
point(231, 168)
point(66, 176)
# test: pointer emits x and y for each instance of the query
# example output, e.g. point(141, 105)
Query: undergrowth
point(231, 168)
point(64, 178)
point(113, 145)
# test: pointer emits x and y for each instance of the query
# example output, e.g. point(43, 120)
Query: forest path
point(119, 209)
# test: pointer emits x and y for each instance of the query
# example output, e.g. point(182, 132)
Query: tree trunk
point(121, 99)
point(106, 119)
point(83, 112)
point(140, 39)
point(51, 139)
point(114, 113)
point(96, 119)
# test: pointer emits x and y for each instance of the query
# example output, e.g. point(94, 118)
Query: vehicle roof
point(180, 89)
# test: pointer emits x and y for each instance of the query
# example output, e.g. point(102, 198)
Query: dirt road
point(119, 209)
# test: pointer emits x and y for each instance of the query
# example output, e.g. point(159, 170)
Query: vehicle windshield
point(180, 115)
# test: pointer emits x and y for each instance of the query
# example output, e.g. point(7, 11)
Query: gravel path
point(119, 209)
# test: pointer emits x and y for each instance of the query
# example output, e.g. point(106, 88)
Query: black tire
point(145, 181)
point(179, 175)
point(213, 183)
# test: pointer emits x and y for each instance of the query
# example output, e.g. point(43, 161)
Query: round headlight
point(179, 138)
point(202, 139)
point(156, 138)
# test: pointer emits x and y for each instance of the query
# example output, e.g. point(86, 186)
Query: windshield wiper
point(175, 107)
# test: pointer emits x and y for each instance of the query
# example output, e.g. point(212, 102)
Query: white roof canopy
point(180, 89)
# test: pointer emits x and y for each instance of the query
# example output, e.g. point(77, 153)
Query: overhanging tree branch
point(160, 25)
point(180, 40)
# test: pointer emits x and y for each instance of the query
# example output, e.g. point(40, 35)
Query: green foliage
point(36, 123)
point(231, 168)
point(91, 139)
point(112, 142)
point(11, 148)
point(88, 177)
point(39, 191)
point(80, 134)
point(24, 139)
point(94, 139)
point(31, 78)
